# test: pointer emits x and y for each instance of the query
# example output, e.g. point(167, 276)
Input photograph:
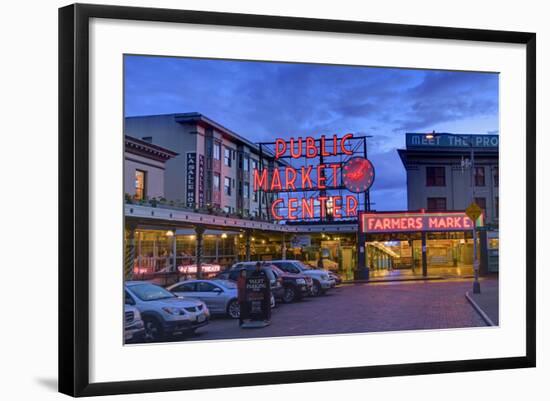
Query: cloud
point(263, 100)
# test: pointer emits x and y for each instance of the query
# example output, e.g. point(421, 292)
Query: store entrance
point(448, 254)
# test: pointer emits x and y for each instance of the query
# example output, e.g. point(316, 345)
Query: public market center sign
point(355, 174)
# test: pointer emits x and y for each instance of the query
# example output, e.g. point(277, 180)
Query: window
point(482, 203)
point(227, 186)
point(216, 154)
point(227, 157)
point(254, 164)
point(435, 176)
point(496, 207)
point(140, 184)
point(246, 164)
point(255, 196)
point(246, 190)
point(203, 286)
point(437, 204)
point(189, 287)
point(128, 300)
point(495, 176)
point(479, 176)
point(216, 182)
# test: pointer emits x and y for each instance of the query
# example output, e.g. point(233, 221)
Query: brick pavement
point(363, 308)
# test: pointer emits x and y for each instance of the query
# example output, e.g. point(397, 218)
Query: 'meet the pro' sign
point(372, 223)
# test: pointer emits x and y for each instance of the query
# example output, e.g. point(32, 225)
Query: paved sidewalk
point(488, 299)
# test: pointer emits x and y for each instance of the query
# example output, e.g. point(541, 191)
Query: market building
point(205, 211)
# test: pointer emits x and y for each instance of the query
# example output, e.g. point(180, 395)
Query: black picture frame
point(74, 201)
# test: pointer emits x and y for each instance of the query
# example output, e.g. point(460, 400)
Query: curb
point(480, 311)
point(386, 280)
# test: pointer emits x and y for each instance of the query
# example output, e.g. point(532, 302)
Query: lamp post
point(468, 140)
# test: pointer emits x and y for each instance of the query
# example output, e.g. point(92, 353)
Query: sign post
point(474, 211)
point(257, 301)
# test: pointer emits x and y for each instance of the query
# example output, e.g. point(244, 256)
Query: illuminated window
point(216, 154)
point(437, 204)
point(479, 176)
point(435, 176)
point(216, 182)
point(140, 185)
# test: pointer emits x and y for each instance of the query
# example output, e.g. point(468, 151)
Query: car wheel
point(234, 309)
point(153, 329)
point(289, 295)
point(316, 290)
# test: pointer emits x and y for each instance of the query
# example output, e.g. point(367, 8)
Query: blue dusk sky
point(264, 100)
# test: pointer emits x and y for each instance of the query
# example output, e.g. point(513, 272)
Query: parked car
point(220, 296)
point(335, 276)
point(134, 329)
point(321, 279)
point(163, 313)
point(296, 286)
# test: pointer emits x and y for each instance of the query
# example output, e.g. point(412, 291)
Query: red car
point(296, 286)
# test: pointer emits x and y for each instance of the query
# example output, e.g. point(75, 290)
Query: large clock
point(358, 174)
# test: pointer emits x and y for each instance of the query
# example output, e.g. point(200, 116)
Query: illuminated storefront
point(417, 243)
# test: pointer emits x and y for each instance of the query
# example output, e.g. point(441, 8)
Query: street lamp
point(468, 140)
point(172, 235)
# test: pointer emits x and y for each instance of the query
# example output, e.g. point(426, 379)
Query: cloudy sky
point(261, 100)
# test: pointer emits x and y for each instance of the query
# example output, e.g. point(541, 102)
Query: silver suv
point(164, 313)
point(321, 279)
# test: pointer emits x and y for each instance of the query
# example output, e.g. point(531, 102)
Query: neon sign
point(372, 223)
point(355, 174)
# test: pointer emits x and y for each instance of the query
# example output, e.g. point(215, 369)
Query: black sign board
point(201, 180)
point(257, 305)
point(191, 174)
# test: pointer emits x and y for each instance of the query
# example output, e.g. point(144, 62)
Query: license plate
point(201, 318)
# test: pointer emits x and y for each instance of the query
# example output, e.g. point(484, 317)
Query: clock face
point(358, 174)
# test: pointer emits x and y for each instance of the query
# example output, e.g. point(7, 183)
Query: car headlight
point(300, 281)
point(173, 311)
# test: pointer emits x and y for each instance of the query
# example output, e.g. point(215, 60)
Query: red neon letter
point(292, 208)
point(289, 181)
point(343, 144)
point(280, 148)
point(311, 149)
point(299, 153)
point(306, 178)
point(321, 179)
point(351, 210)
point(274, 209)
point(260, 181)
point(323, 150)
point(307, 208)
point(322, 200)
point(335, 168)
point(276, 181)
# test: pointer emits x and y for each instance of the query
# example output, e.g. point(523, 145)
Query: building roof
point(147, 149)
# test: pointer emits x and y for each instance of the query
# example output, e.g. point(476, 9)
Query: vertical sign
point(201, 180)
point(191, 174)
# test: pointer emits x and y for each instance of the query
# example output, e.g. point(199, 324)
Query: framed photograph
point(251, 199)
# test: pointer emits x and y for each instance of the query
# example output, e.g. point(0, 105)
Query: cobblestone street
point(364, 308)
